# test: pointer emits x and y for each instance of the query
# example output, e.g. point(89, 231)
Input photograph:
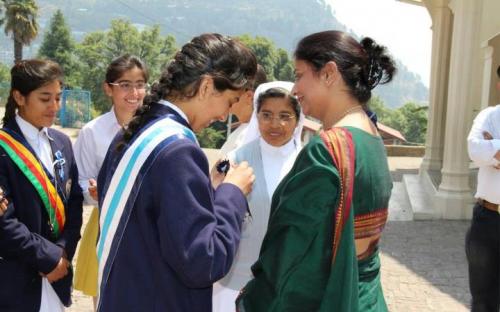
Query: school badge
point(59, 164)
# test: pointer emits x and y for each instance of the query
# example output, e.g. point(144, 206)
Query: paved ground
point(423, 268)
point(423, 262)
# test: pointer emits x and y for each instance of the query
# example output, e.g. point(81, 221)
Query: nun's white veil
point(253, 132)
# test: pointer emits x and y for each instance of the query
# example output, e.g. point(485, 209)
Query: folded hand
point(93, 189)
point(4, 203)
point(488, 136)
point(60, 271)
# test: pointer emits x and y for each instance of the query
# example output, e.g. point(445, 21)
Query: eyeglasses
point(128, 86)
point(283, 118)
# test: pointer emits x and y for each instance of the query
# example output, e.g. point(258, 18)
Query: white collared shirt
point(234, 140)
point(39, 141)
point(482, 152)
point(175, 108)
point(277, 162)
point(91, 147)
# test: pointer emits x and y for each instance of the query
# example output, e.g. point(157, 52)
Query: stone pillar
point(454, 198)
point(487, 81)
point(442, 22)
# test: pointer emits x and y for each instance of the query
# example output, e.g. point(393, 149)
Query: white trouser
point(50, 300)
point(223, 298)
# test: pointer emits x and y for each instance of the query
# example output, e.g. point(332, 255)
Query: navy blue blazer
point(26, 244)
point(181, 236)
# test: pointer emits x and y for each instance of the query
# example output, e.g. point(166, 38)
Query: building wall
point(490, 19)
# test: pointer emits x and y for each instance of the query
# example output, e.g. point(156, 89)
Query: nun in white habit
point(270, 146)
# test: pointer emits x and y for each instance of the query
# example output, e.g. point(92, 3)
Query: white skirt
point(50, 300)
point(223, 298)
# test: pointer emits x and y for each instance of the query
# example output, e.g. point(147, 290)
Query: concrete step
point(399, 204)
point(419, 198)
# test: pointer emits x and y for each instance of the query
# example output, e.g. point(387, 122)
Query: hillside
point(283, 21)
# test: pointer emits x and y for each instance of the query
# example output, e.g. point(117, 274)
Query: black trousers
point(482, 246)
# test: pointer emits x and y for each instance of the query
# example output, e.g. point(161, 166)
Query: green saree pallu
point(308, 248)
point(308, 259)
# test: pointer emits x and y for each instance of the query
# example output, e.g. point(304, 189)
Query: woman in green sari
point(320, 252)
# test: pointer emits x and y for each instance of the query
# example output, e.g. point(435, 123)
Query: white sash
point(123, 179)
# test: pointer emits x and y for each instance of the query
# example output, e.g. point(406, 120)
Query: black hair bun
point(379, 68)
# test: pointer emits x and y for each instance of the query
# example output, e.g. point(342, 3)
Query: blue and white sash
point(124, 186)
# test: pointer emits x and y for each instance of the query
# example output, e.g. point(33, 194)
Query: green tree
point(284, 69)
point(4, 83)
point(265, 52)
point(275, 61)
point(20, 22)
point(4, 73)
point(384, 113)
point(122, 38)
point(156, 50)
point(148, 44)
point(414, 122)
point(410, 119)
point(59, 46)
point(99, 48)
point(211, 138)
point(93, 68)
point(57, 38)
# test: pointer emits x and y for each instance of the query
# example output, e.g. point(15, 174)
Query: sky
point(403, 28)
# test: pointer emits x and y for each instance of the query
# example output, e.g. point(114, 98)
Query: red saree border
point(340, 146)
point(370, 224)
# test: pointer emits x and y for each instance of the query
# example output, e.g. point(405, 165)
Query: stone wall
point(407, 151)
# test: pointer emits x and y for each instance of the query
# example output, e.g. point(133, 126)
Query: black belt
point(486, 204)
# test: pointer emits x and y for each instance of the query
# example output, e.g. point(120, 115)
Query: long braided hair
point(230, 64)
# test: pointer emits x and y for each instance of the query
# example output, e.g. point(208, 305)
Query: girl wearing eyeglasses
point(272, 142)
point(125, 84)
point(40, 228)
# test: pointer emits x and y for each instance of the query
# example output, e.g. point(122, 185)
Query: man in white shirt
point(483, 237)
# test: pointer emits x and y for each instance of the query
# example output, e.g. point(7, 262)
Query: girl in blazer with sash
point(40, 228)
point(166, 233)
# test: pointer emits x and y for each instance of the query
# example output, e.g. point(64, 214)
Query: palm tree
point(20, 22)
